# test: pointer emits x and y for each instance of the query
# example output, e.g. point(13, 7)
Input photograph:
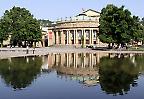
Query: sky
point(55, 9)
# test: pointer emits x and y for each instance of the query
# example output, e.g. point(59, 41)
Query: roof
point(89, 12)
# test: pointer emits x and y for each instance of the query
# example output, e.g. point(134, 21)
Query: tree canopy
point(117, 25)
point(22, 26)
point(3, 35)
point(20, 73)
point(45, 23)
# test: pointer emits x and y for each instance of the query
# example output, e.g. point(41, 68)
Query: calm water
point(73, 76)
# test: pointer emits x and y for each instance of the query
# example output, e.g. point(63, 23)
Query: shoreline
point(21, 52)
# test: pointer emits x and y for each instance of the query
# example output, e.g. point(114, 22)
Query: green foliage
point(118, 26)
point(21, 24)
point(118, 75)
point(3, 35)
point(45, 23)
point(18, 73)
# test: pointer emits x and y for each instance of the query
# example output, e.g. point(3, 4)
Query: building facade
point(82, 28)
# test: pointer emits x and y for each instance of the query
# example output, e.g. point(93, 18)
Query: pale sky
point(54, 9)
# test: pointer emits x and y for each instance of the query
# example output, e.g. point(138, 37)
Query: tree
point(19, 73)
point(22, 26)
point(117, 75)
point(116, 25)
point(137, 29)
point(142, 21)
point(45, 23)
point(142, 29)
point(3, 34)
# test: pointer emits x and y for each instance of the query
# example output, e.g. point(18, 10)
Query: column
point(57, 59)
point(92, 37)
point(67, 37)
point(76, 37)
point(92, 60)
point(43, 41)
point(98, 41)
point(76, 57)
point(57, 38)
point(98, 58)
point(62, 38)
point(62, 58)
point(84, 60)
point(67, 60)
point(84, 35)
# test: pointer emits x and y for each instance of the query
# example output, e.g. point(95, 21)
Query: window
point(79, 34)
point(87, 34)
point(94, 33)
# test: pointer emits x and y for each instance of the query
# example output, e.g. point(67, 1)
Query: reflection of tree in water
point(19, 73)
point(117, 76)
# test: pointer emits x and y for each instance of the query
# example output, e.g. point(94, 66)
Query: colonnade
point(74, 60)
point(75, 36)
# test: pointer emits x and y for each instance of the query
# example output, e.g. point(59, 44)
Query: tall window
point(94, 33)
point(79, 34)
point(87, 34)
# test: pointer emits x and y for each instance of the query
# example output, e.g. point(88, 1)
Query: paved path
point(18, 52)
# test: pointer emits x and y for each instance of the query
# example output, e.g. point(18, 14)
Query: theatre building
point(82, 28)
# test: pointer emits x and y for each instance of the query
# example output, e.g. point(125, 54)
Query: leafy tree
point(118, 75)
point(142, 28)
point(3, 35)
point(117, 25)
point(137, 29)
point(22, 26)
point(45, 23)
point(142, 22)
point(20, 73)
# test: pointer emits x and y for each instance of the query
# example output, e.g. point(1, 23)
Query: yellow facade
point(70, 31)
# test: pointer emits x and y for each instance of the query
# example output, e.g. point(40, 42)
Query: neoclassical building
point(83, 27)
point(79, 66)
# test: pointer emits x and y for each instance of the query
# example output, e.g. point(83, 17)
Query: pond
point(73, 76)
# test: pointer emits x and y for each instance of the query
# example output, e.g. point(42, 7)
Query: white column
point(92, 60)
point(92, 37)
point(67, 59)
point(76, 57)
point(74, 60)
point(57, 38)
point(84, 35)
point(67, 36)
point(84, 60)
point(74, 37)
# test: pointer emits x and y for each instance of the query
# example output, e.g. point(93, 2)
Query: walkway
point(18, 52)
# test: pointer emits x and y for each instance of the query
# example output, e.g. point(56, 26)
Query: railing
point(77, 19)
point(87, 24)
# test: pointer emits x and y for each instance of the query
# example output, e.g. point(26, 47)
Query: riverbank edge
point(22, 52)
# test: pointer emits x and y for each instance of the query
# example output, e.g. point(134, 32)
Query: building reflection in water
point(75, 66)
point(115, 73)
